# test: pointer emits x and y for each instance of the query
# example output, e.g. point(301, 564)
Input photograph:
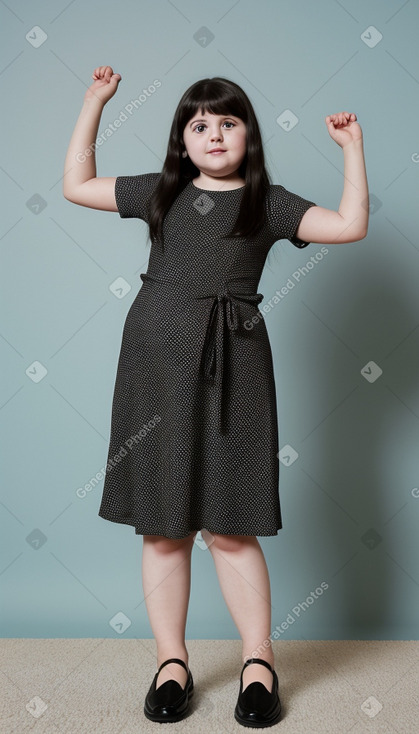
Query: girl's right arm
point(80, 184)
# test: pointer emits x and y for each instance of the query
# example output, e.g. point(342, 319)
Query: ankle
point(268, 657)
point(163, 655)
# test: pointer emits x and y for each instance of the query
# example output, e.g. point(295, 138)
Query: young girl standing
point(194, 434)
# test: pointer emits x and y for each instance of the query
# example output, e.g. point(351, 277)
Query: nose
point(216, 134)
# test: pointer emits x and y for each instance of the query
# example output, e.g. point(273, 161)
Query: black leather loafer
point(255, 705)
point(169, 702)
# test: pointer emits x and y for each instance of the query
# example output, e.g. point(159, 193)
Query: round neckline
point(217, 191)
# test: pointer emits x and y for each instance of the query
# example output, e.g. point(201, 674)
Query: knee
point(231, 543)
point(163, 545)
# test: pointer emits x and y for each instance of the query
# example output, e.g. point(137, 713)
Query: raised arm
point(80, 184)
point(350, 222)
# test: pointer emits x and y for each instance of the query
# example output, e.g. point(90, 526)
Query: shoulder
point(133, 192)
point(286, 201)
point(285, 210)
point(148, 180)
point(278, 193)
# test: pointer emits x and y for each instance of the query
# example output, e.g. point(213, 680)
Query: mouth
point(217, 150)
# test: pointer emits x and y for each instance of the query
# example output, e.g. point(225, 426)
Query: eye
point(227, 122)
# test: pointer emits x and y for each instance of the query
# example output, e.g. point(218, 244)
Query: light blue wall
point(349, 504)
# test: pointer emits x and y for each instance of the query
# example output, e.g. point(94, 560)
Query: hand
point(105, 84)
point(343, 128)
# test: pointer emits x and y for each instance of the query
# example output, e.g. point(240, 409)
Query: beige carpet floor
point(77, 686)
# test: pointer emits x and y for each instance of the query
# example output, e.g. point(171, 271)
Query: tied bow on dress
point(224, 312)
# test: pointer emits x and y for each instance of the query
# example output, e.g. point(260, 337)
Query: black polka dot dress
point(194, 433)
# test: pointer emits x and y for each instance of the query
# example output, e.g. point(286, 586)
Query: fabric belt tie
point(224, 310)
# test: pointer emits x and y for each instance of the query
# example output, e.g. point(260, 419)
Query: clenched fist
point(105, 84)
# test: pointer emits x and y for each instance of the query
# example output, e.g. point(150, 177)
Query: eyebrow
point(231, 117)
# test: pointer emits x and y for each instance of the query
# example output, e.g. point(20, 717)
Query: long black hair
point(223, 97)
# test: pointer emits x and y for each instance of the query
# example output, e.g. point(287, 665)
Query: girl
point(194, 435)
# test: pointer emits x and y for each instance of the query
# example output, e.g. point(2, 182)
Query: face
point(206, 131)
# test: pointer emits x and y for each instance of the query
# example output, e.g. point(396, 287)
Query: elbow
point(364, 230)
point(358, 236)
point(68, 195)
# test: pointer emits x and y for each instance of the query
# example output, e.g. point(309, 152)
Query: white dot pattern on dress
point(194, 430)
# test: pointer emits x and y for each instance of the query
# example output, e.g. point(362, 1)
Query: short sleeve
point(132, 194)
point(285, 212)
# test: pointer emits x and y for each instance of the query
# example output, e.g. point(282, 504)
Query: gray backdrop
point(344, 335)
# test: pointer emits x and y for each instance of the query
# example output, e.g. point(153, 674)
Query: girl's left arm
point(350, 222)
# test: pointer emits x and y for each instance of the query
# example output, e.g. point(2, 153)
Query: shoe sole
point(254, 724)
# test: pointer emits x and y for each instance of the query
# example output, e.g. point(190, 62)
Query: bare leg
point(166, 573)
point(244, 581)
